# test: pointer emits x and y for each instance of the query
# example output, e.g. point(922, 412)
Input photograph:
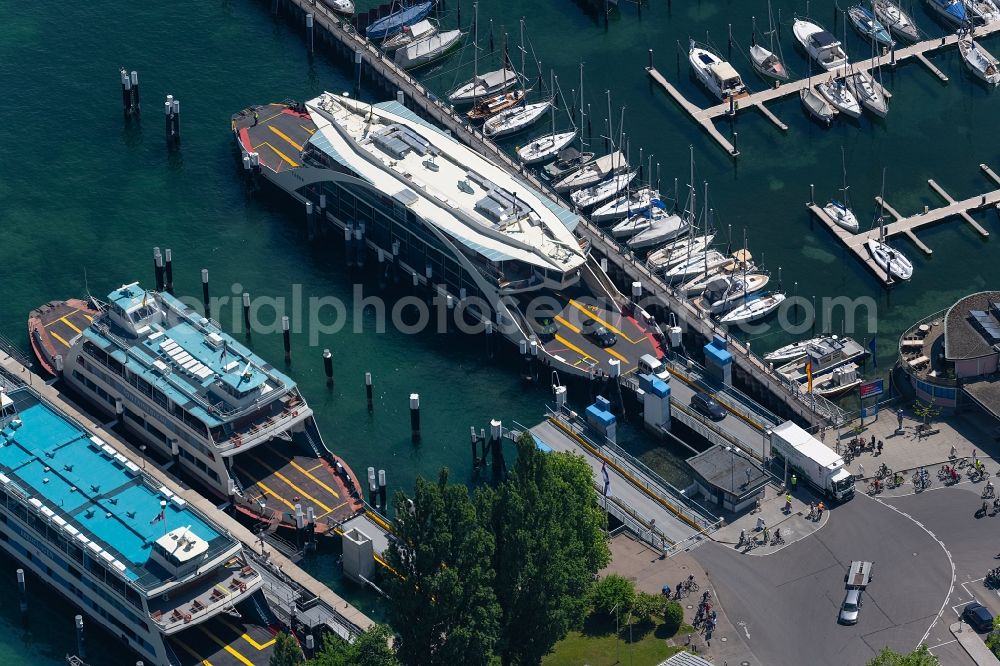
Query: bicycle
point(874, 488)
point(691, 586)
point(883, 471)
point(778, 540)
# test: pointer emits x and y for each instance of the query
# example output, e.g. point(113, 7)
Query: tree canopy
point(371, 648)
point(920, 657)
point(286, 651)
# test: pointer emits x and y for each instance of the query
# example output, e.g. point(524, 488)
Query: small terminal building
point(728, 477)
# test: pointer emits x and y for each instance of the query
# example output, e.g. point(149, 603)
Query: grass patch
point(598, 645)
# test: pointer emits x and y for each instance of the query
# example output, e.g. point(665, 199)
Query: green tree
point(993, 640)
point(926, 411)
point(371, 648)
point(647, 604)
point(610, 593)
point(443, 604)
point(550, 544)
point(286, 651)
point(919, 657)
point(673, 617)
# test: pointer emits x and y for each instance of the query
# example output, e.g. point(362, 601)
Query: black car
point(598, 334)
point(708, 406)
point(978, 616)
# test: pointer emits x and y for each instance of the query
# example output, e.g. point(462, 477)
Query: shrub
point(673, 617)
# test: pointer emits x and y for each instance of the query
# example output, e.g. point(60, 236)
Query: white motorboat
point(822, 355)
point(838, 381)
point(602, 191)
point(663, 227)
point(726, 292)
point(545, 147)
point(483, 85)
point(791, 352)
point(592, 173)
point(567, 161)
point(980, 62)
point(894, 18)
point(428, 49)
point(626, 205)
point(754, 309)
point(342, 7)
point(817, 106)
point(715, 73)
point(868, 93)
point(821, 46)
point(409, 34)
point(516, 119)
point(677, 252)
point(842, 215)
point(697, 264)
point(982, 11)
point(840, 97)
point(890, 260)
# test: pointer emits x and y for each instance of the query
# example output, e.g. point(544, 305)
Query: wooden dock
point(705, 117)
point(908, 226)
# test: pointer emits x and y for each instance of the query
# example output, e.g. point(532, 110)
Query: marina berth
point(94, 526)
point(483, 85)
point(819, 45)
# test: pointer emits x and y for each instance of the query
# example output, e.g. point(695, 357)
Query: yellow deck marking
point(270, 118)
point(268, 491)
point(284, 136)
point(59, 338)
point(277, 152)
point(616, 355)
point(316, 466)
point(291, 485)
point(566, 323)
point(228, 648)
point(248, 639)
point(313, 477)
point(70, 324)
point(89, 318)
point(68, 314)
point(186, 648)
point(311, 131)
point(608, 326)
point(570, 345)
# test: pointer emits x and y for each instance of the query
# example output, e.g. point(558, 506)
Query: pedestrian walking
point(767, 536)
point(899, 419)
point(788, 502)
point(743, 538)
point(873, 442)
point(256, 117)
point(879, 446)
point(820, 508)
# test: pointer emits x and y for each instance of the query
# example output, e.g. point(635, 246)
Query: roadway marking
point(616, 354)
point(311, 131)
point(584, 355)
point(314, 478)
point(316, 466)
point(190, 651)
point(951, 586)
point(608, 326)
point(268, 491)
point(285, 137)
point(301, 492)
point(280, 154)
point(70, 324)
point(248, 639)
point(68, 314)
point(59, 338)
point(228, 648)
point(565, 322)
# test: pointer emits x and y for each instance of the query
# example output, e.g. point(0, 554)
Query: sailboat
point(841, 211)
point(868, 25)
point(952, 12)
point(624, 205)
point(765, 60)
point(983, 11)
point(515, 119)
point(894, 18)
point(870, 94)
point(593, 173)
point(482, 85)
point(410, 34)
point(546, 147)
point(893, 262)
point(815, 104)
point(602, 191)
point(388, 26)
point(678, 252)
point(428, 49)
point(754, 309)
point(840, 97)
point(567, 161)
point(663, 226)
point(980, 62)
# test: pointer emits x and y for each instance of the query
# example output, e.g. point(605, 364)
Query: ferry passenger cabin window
point(142, 313)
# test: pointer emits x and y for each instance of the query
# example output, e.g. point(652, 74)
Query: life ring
point(243, 586)
point(187, 617)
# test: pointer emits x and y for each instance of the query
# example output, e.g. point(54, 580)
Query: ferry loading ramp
point(277, 132)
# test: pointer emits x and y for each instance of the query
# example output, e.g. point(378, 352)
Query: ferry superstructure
point(451, 218)
point(228, 419)
point(116, 543)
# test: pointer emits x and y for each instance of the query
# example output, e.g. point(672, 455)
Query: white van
point(650, 365)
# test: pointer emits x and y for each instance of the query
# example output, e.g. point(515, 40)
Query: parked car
point(708, 406)
point(598, 334)
point(851, 607)
point(978, 616)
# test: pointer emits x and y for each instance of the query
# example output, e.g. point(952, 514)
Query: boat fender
point(187, 617)
point(295, 413)
point(243, 587)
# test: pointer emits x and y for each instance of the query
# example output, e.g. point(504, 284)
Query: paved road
point(733, 425)
point(786, 603)
point(950, 514)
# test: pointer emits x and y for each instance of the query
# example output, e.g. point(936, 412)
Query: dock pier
point(706, 116)
point(908, 226)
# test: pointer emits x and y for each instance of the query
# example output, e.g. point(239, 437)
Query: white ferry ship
point(136, 558)
point(452, 219)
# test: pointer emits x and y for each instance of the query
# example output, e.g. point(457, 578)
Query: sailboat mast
point(583, 145)
point(553, 80)
point(522, 50)
point(475, 49)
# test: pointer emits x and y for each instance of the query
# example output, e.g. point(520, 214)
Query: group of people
point(705, 615)
point(816, 510)
point(681, 587)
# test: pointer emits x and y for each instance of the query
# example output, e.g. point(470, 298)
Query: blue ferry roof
point(184, 354)
point(86, 488)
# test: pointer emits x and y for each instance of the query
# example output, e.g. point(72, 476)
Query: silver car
point(850, 608)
